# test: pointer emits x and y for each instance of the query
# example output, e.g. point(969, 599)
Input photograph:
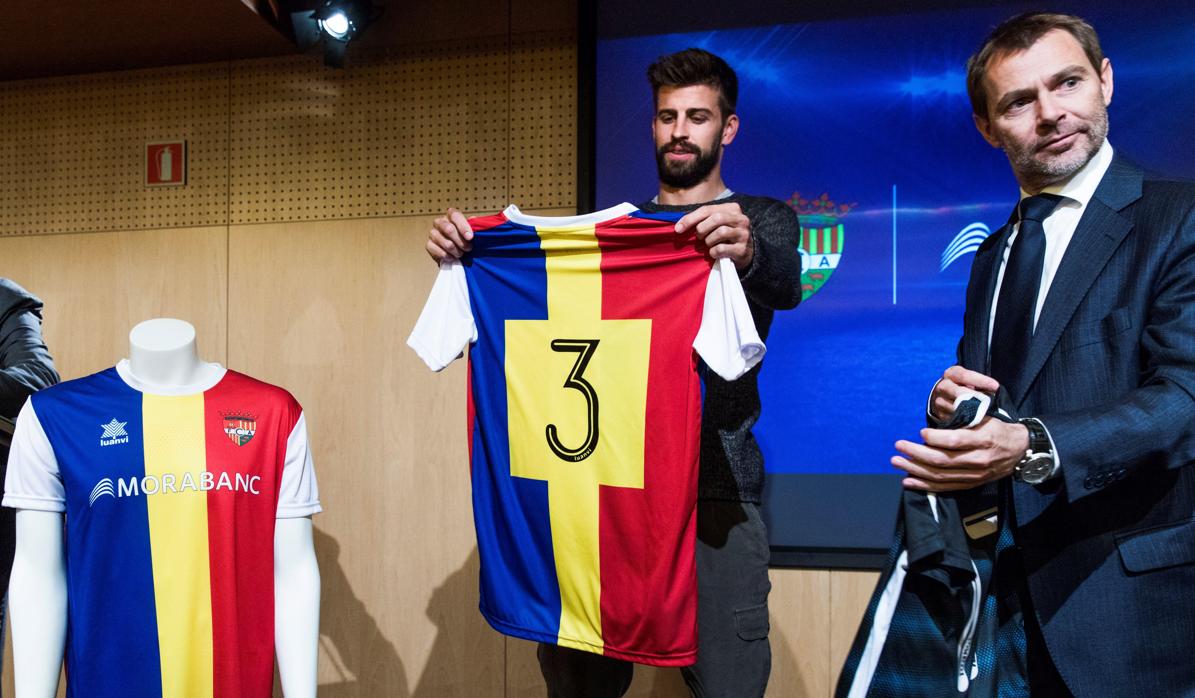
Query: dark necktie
point(1013, 329)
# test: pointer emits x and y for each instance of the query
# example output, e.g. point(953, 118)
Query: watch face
point(1036, 469)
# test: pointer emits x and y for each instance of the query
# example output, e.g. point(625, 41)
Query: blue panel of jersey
point(519, 589)
point(109, 573)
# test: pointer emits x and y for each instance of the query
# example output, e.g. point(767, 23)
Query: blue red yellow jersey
point(169, 503)
point(584, 417)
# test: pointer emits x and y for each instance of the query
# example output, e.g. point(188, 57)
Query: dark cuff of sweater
point(749, 273)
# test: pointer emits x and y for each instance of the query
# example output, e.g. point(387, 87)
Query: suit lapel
point(1099, 233)
point(986, 265)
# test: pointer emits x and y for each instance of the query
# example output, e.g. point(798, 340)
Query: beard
point(1041, 169)
point(685, 175)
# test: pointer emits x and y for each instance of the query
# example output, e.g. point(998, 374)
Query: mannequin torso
point(163, 360)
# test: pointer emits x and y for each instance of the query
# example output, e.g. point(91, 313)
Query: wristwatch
point(1038, 464)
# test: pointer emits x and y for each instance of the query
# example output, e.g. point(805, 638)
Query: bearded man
point(694, 120)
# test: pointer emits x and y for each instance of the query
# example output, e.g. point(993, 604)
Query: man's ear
point(730, 129)
point(985, 129)
point(1106, 81)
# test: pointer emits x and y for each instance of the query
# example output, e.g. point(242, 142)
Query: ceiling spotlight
point(334, 23)
point(336, 26)
point(342, 20)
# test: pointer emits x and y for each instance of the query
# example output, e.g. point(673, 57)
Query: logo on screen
point(966, 242)
point(822, 238)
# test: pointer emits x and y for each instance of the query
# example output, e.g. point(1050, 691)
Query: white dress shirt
point(1059, 227)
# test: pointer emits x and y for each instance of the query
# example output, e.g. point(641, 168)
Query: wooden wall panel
point(72, 150)
point(396, 546)
point(849, 594)
point(408, 133)
point(543, 122)
point(800, 615)
point(97, 286)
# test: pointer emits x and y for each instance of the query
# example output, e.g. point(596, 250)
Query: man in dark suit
point(1081, 314)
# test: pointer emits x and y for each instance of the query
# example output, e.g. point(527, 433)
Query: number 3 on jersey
point(584, 348)
point(557, 373)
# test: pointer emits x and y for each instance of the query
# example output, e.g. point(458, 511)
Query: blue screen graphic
point(873, 114)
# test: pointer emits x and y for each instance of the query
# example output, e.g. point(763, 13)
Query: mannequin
point(162, 360)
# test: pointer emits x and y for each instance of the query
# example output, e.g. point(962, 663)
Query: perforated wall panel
point(407, 132)
point(410, 133)
point(543, 127)
point(72, 150)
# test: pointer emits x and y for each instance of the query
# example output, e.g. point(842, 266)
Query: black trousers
point(734, 658)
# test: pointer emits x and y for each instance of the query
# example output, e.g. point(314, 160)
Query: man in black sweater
point(695, 94)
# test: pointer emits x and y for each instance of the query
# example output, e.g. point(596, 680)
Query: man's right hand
point(450, 236)
point(956, 380)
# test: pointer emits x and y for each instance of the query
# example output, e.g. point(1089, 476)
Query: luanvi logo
point(173, 483)
point(114, 433)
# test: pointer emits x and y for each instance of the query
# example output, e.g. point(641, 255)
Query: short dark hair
point(695, 66)
point(1019, 33)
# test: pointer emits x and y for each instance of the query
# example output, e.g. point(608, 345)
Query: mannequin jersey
point(585, 410)
point(170, 503)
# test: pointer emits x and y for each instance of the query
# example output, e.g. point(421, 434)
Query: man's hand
point(450, 236)
point(955, 381)
point(724, 229)
point(959, 459)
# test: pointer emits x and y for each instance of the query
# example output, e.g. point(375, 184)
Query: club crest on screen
point(822, 239)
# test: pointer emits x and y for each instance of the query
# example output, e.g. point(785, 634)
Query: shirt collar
point(1082, 184)
point(726, 193)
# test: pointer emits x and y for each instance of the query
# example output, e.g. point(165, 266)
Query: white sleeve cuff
point(14, 501)
point(727, 341)
point(298, 493)
point(297, 511)
point(33, 480)
point(445, 327)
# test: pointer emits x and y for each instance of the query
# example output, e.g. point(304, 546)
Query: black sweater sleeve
point(25, 363)
point(773, 279)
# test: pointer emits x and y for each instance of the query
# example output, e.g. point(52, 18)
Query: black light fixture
point(334, 23)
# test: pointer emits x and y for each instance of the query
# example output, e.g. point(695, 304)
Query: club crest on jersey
point(114, 433)
point(240, 427)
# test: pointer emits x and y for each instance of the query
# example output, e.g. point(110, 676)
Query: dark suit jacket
point(1109, 546)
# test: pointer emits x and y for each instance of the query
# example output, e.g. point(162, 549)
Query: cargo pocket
point(751, 623)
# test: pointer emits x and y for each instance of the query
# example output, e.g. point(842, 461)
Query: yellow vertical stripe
point(575, 293)
point(535, 375)
point(573, 263)
point(175, 445)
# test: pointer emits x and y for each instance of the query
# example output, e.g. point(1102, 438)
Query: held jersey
point(584, 419)
point(170, 503)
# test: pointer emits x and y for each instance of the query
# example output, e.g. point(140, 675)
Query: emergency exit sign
point(166, 164)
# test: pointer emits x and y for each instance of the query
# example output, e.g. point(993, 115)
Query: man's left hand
point(959, 459)
point(724, 229)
